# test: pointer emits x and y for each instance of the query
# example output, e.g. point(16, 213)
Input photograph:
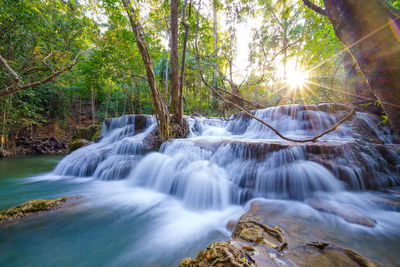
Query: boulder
point(257, 240)
point(78, 143)
point(87, 132)
point(97, 136)
point(349, 213)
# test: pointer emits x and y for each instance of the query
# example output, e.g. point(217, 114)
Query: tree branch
point(314, 7)
point(16, 86)
point(10, 71)
point(313, 139)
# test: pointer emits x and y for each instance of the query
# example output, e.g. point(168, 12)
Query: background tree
point(370, 31)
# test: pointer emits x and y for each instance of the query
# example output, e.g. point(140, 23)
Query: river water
point(153, 209)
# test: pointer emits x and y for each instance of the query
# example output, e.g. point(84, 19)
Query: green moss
point(87, 132)
point(30, 207)
point(97, 135)
point(78, 143)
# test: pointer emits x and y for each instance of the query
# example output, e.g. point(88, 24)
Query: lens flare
point(297, 79)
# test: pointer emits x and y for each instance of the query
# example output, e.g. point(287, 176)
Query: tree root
point(276, 232)
point(219, 254)
point(231, 259)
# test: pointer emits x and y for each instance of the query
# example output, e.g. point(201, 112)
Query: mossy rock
point(78, 143)
point(31, 207)
point(97, 136)
point(87, 132)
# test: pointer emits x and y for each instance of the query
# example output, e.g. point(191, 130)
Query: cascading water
point(230, 162)
point(224, 164)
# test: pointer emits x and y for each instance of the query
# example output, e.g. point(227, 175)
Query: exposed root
point(179, 131)
point(218, 254)
point(274, 232)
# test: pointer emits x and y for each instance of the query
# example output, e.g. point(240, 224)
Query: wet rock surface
point(34, 207)
point(347, 212)
point(255, 242)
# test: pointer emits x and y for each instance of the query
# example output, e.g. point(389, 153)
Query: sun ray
point(347, 48)
point(348, 93)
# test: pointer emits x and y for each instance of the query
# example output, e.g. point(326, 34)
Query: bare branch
point(314, 7)
point(10, 71)
point(44, 61)
point(245, 111)
point(16, 86)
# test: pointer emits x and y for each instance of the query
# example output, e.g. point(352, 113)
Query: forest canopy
point(75, 56)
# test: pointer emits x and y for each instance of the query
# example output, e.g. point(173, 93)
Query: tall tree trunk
point(285, 40)
point(93, 104)
point(195, 96)
point(215, 74)
point(166, 79)
point(185, 39)
point(3, 116)
point(177, 105)
point(138, 97)
point(161, 110)
point(80, 111)
point(126, 93)
point(132, 108)
point(370, 29)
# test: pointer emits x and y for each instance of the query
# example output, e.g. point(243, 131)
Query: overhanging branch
point(16, 84)
point(245, 111)
point(314, 7)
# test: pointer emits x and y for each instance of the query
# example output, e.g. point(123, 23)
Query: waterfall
point(231, 162)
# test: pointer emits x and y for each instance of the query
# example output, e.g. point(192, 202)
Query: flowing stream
point(142, 208)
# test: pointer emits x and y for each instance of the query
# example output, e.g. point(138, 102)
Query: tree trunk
point(161, 110)
point(177, 105)
point(93, 104)
point(166, 80)
point(215, 25)
point(370, 29)
point(132, 108)
point(285, 40)
point(126, 93)
point(139, 103)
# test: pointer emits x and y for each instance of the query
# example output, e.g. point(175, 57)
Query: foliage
point(109, 79)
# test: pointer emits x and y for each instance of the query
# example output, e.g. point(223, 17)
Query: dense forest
point(78, 62)
point(199, 133)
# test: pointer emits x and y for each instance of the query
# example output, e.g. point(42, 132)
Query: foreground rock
point(33, 207)
point(257, 240)
point(348, 213)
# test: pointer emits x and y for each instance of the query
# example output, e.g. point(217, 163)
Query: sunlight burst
point(297, 79)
